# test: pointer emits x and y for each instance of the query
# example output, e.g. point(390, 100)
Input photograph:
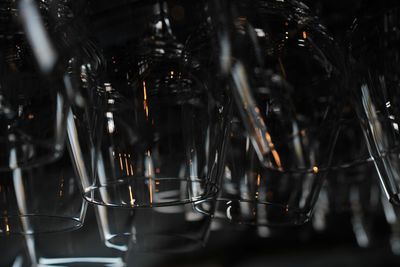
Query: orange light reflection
point(121, 165)
point(145, 104)
point(274, 152)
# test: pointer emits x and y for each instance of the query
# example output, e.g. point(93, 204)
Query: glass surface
point(82, 247)
point(41, 200)
point(172, 229)
point(32, 105)
point(254, 194)
point(375, 87)
point(151, 130)
point(159, 117)
point(282, 63)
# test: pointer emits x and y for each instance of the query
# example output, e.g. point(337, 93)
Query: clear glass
point(287, 78)
point(255, 194)
point(41, 200)
point(352, 193)
point(159, 120)
point(374, 58)
point(82, 247)
point(290, 65)
point(172, 229)
point(115, 226)
point(32, 105)
point(392, 217)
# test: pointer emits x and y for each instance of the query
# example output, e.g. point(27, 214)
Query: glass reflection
point(158, 126)
point(43, 199)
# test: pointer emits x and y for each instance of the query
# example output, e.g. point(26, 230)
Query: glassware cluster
point(173, 119)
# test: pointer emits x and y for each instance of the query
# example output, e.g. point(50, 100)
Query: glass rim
point(212, 189)
point(294, 217)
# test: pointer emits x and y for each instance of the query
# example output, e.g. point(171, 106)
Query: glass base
point(119, 242)
point(37, 224)
point(258, 213)
point(83, 262)
point(149, 192)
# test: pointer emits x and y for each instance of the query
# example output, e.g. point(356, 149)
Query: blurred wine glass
point(158, 126)
point(373, 55)
point(286, 76)
point(33, 105)
point(44, 199)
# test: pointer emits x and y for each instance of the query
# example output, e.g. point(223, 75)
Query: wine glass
point(33, 105)
point(159, 127)
point(44, 199)
point(287, 78)
point(82, 247)
point(373, 55)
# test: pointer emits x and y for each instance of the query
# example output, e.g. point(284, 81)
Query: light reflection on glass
point(61, 187)
point(132, 200)
point(145, 103)
point(110, 122)
point(315, 169)
point(274, 152)
point(109, 262)
point(149, 173)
